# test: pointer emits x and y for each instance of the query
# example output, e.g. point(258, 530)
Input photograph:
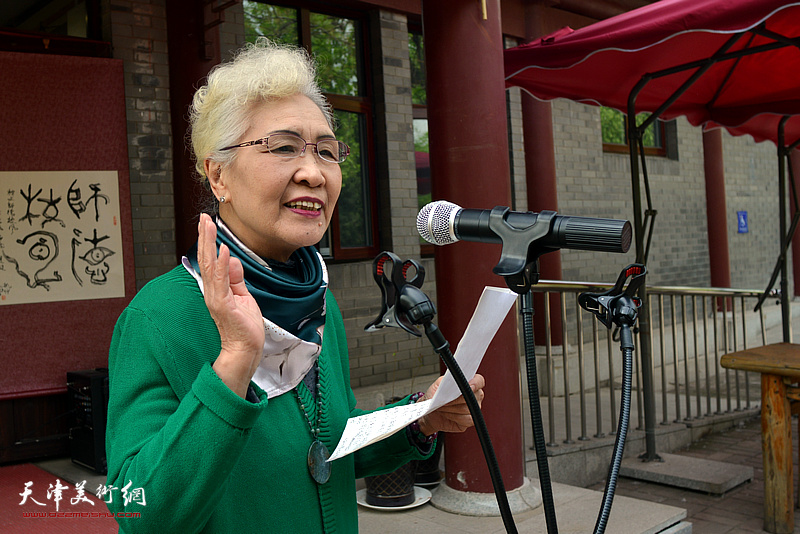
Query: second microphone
point(442, 223)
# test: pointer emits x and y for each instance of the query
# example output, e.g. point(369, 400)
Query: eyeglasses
point(293, 146)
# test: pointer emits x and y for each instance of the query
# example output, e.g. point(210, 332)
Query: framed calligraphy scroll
point(66, 233)
point(60, 237)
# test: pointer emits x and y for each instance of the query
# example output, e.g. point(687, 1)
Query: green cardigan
point(207, 460)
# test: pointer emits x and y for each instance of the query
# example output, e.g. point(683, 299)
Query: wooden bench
point(779, 365)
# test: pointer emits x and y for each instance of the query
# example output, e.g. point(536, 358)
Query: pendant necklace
point(318, 466)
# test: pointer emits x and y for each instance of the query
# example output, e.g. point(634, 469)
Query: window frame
point(357, 105)
point(364, 104)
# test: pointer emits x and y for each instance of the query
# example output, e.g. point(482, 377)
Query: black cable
point(619, 443)
point(442, 347)
point(27, 437)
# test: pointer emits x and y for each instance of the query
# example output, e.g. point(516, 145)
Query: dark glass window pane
point(422, 158)
point(277, 23)
point(55, 18)
point(353, 206)
point(416, 52)
point(324, 244)
point(336, 45)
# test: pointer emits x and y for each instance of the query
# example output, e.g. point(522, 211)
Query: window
point(338, 43)
point(419, 101)
point(53, 27)
point(615, 133)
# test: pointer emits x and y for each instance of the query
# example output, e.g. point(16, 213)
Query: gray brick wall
point(585, 175)
point(592, 183)
point(402, 171)
point(519, 184)
point(139, 38)
point(388, 354)
point(231, 31)
point(751, 181)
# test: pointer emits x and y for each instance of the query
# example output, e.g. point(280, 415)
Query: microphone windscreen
point(436, 222)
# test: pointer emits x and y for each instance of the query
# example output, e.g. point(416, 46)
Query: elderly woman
point(229, 375)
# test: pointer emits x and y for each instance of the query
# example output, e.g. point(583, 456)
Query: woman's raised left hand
point(453, 416)
point(235, 312)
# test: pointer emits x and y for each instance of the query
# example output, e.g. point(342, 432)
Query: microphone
point(442, 223)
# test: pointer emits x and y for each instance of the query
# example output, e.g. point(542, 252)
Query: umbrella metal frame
point(643, 222)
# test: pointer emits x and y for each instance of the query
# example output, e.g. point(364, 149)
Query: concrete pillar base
point(526, 497)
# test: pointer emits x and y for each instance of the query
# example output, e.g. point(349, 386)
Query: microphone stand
point(536, 414)
point(518, 264)
point(521, 283)
point(618, 306)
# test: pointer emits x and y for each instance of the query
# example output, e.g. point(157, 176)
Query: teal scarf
point(292, 299)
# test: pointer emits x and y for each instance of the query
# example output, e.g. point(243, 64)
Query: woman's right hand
point(233, 308)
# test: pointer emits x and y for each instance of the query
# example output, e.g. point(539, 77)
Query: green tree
point(277, 23)
point(613, 123)
point(416, 52)
point(354, 230)
point(335, 43)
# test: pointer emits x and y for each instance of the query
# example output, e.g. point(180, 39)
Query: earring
point(222, 199)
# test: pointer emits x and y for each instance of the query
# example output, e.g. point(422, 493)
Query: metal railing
point(691, 328)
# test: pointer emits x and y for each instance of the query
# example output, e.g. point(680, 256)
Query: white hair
point(259, 72)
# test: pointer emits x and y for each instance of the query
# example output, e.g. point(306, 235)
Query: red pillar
point(187, 69)
point(540, 174)
point(469, 160)
point(716, 210)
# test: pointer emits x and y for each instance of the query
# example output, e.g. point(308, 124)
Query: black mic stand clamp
point(618, 305)
point(395, 278)
point(519, 258)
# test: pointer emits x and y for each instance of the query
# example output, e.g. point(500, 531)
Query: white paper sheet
point(489, 314)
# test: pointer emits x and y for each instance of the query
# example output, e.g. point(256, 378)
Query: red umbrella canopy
point(746, 93)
